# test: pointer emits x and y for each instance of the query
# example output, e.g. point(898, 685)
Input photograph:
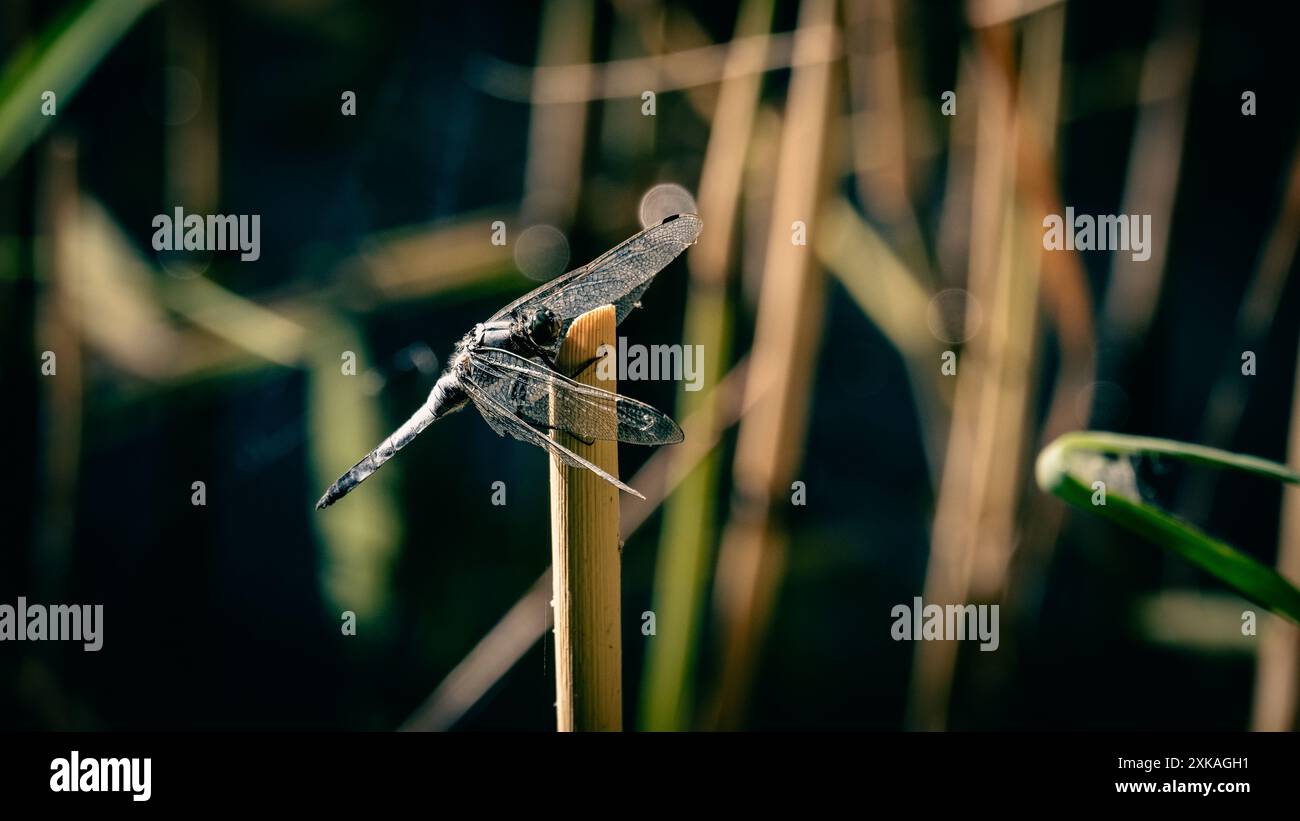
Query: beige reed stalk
point(586, 557)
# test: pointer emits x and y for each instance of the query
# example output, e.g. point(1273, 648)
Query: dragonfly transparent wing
point(538, 394)
point(618, 277)
point(499, 417)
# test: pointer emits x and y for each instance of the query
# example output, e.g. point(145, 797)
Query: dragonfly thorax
point(460, 362)
point(530, 333)
point(489, 335)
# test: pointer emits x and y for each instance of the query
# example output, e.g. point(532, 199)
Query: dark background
point(217, 617)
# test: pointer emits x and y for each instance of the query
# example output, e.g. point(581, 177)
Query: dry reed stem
point(60, 320)
point(1255, 317)
point(1133, 290)
point(557, 133)
point(1155, 158)
point(681, 70)
point(686, 541)
point(586, 556)
point(952, 546)
point(1277, 668)
point(782, 361)
point(424, 261)
point(884, 136)
point(524, 623)
point(192, 146)
point(975, 529)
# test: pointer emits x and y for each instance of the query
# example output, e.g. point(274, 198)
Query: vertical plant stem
point(1255, 319)
point(1151, 183)
point(880, 75)
point(527, 620)
point(60, 321)
point(556, 135)
point(689, 531)
point(1277, 668)
point(976, 403)
point(769, 444)
point(192, 144)
point(586, 557)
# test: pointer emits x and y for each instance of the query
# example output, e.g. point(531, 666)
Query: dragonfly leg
point(549, 360)
point(582, 368)
point(584, 440)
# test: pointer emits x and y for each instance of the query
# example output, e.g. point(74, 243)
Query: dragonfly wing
point(534, 392)
point(618, 277)
point(502, 420)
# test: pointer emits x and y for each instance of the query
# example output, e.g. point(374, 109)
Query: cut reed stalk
point(586, 557)
point(526, 622)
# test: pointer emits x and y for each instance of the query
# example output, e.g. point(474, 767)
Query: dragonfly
point(506, 366)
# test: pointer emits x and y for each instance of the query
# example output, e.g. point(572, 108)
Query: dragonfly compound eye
point(544, 327)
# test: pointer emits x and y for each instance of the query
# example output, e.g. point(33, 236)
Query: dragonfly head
point(542, 327)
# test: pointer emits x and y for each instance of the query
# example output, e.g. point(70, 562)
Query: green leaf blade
point(1059, 470)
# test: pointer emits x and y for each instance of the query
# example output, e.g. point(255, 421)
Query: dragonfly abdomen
point(445, 398)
